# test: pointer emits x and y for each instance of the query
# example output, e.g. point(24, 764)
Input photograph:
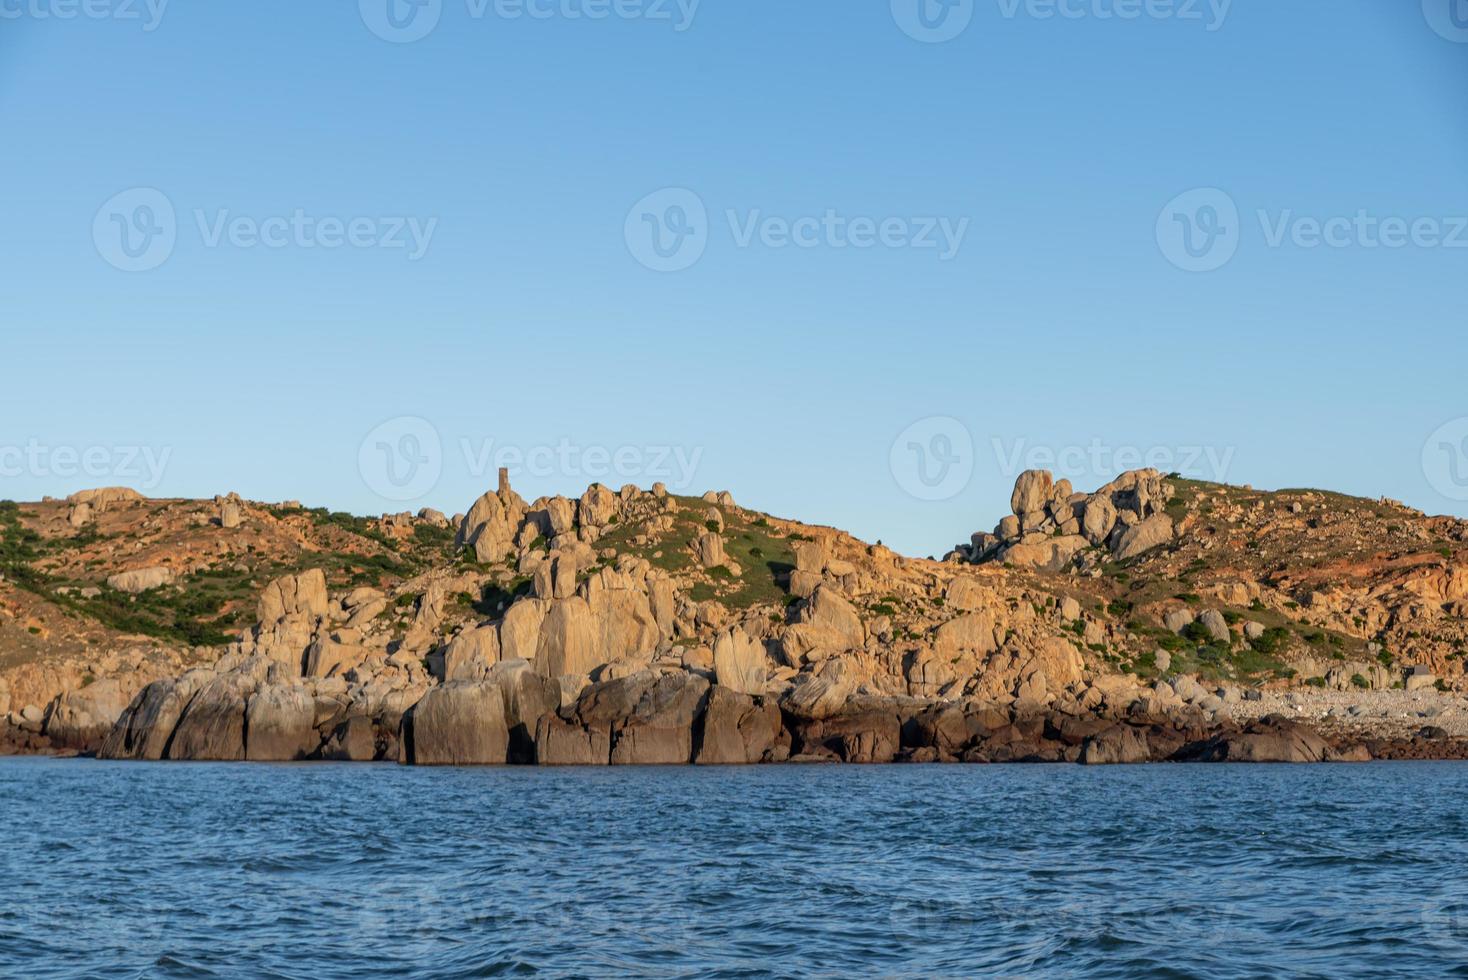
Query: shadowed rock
point(279, 725)
point(458, 724)
point(740, 730)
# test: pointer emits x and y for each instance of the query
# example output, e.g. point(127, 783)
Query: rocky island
point(1153, 619)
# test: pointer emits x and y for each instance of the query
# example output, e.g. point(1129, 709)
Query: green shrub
point(1197, 632)
point(1270, 642)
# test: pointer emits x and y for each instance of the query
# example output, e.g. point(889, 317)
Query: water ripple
point(324, 871)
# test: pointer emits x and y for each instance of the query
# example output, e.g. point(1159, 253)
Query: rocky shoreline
point(1151, 620)
point(514, 716)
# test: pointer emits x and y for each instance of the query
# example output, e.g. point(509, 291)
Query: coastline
point(715, 726)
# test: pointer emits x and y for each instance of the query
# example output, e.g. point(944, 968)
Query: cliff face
point(636, 626)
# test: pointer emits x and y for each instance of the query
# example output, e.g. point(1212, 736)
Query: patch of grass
point(433, 537)
point(1271, 641)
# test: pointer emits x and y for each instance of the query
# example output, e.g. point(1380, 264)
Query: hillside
point(1152, 596)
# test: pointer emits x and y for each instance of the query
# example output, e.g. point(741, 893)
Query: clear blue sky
point(1064, 319)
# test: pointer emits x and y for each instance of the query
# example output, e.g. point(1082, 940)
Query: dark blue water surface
point(315, 871)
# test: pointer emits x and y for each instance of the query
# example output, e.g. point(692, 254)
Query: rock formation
point(1148, 620)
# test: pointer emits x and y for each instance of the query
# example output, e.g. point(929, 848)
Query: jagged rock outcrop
point(83, 718)
point(863, 730)
point(597, 631)
point(492, 523)
point(212, 727)
point(826, 625)
point(740, 663)
point(102, 499)
point(645, 719)
point(290, 616)
point(1143, 537)
point(461, 723)
point(280, 722)
point(1119, 744)
point(1051, 525)
point(145, 728)
point(740, 730)
point(1270, 740)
